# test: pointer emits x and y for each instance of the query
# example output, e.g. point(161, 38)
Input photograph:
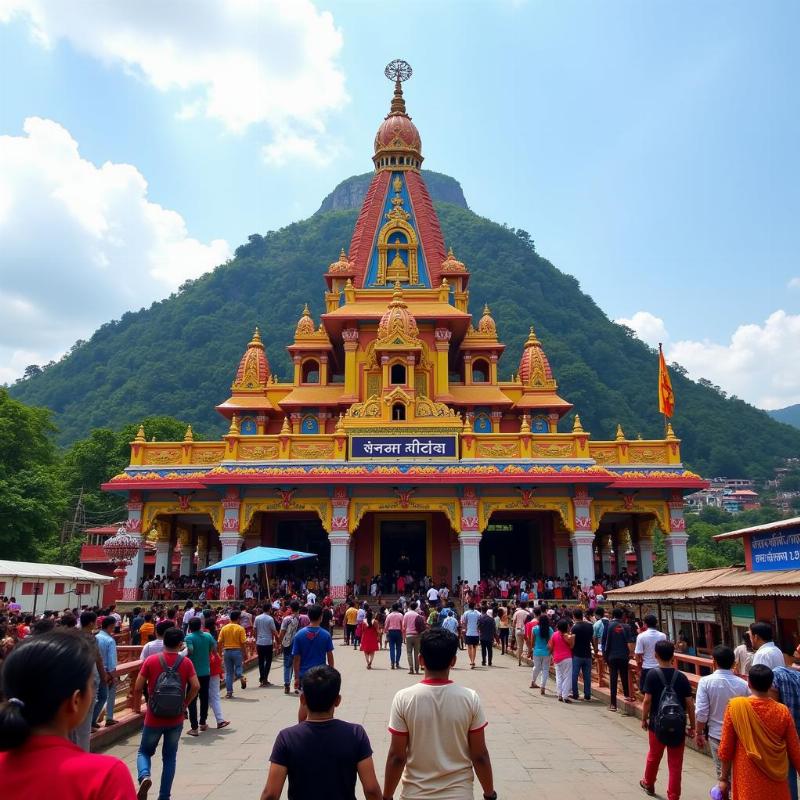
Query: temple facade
point(396, 445)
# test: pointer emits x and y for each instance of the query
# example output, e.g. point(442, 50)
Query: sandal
point(612, 708)
point(193, 732)
point(223, 724)
point(650, 791)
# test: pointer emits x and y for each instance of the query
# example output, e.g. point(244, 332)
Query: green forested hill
point(790, 415)
point(178, 357)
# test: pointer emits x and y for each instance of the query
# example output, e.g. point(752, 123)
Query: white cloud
point(794, 283)
point(240, 62)
point(648, 327)
point(80, 244)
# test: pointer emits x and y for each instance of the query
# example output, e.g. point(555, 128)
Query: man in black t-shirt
point(617, 650)
point(582, 655)
point(322, 755)
point(653, 688)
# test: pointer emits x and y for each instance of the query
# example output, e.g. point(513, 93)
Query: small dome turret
point(397, 142)
point(305, 325)
point(487, 325)
point(534, 367)
point(253, 372)
point(398, 319)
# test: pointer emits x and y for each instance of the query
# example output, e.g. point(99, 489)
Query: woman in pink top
point(560, 645)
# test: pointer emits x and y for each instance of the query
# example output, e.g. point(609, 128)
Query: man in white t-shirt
point(437, 730)
point(311, 599)
point(433, 595)
point(767, 652)
point(645, 650)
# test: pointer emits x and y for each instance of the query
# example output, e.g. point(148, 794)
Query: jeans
point(541, 666)
point(233, 667)
point(349, 633)
point(395, 640)
point(412, 651)
point(618, 670)
point(503, 640)
point(564, 678)
point(106, 696)
point(792, 782)
point(288, 660)
point(169, 754)
point(582, 665)
point(213, 698)
point(674, 764)
point(203, 695)
point(486, 652)
point(264, 661)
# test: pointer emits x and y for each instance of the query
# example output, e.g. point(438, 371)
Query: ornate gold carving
point(543, 450)
point(255, 452)
point(604, 455)
point(421, 384)
point(373, 383)
point(497, 450)
point(371, 407)
point(321, 507)
point(449, 507)
point(207, 456)
point(647, 454)
point(151, 511)
point(425, 407)
point(312, 450)
point(162, 456)
point(561, 506)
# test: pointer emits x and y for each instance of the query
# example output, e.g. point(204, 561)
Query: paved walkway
point(539, 747)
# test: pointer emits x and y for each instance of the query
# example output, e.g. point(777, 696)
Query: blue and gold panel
point(482, 423)
point(248, 427)
point(310, 424)
point(397, 254)
point(540, 425)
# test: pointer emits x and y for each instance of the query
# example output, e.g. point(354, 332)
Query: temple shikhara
point(395, 445)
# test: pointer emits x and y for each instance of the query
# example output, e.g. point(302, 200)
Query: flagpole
point(660, 359)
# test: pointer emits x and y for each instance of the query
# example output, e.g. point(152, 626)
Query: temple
point(395, 445)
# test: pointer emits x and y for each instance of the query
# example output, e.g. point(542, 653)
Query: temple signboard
point(403, 447)
point(779, 550)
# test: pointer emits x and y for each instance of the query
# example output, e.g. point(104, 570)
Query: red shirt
point(151, 669)
point(49, 766)
point(230, 592)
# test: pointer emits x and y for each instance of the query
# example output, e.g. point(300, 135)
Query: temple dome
point(487, 325)
point(534, 367)
point(452, 264)
point(305, 325)
point(397, 319)
point(397, 142)
point(253, 372)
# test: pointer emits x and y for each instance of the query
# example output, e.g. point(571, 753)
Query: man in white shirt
point(437, 730)
point(767, 652)
point(645, 650)
point(714, 692)
point(311, 599)
point(518, 622)
point(433, 595)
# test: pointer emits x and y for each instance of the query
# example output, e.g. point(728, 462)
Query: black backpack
point(669, 724)
point(169, 693)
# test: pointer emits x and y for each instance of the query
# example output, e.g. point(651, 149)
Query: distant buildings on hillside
point(730, 494)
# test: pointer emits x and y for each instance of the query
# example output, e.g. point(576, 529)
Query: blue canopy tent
point(261, 555)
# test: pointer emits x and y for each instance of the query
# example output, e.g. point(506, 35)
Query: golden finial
point(466, 427)
point(342, 255)
point(576, 425)
point(620, 434)
point(152, 438)
point(234, 428)
point(256, 340)
point(306, 310)
point(670, 432)
point(525, 426)
point(188, 436)
point(532, 339)
point(639, 437)
point(285, 428)
point(450, 253)
point(486, 309)
point(140, 435)
point(340, 423)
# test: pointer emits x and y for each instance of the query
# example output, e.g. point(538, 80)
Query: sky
point(649, 148)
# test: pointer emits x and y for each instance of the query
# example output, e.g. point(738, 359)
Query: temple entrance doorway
point(511, 546)
point(308, 536)
point(403, 547)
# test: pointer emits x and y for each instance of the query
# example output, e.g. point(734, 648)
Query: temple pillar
point(202, 551)
point(231, 545)
point(455, 562)
point(469, 544)
point(644, 557)
point(583, 557)
point(340, 557)
point(675, 541)
point(163, 557)
point(187, 554)
point(604, 544)
point(350, 337)
point(442, 338)
point(133, 527)
point(562, 559)
point(213, 555)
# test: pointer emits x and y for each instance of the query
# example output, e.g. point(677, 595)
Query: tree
point(32, 497)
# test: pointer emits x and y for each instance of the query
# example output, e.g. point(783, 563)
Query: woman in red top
point(369, 637)
point(48, 681)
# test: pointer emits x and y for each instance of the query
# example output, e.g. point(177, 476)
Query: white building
point(50, 586)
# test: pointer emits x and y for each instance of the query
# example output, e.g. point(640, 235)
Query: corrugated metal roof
point(705, 583)
point(770, 526)
point(29, 569)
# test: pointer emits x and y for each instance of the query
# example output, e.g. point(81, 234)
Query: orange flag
point(666, 397)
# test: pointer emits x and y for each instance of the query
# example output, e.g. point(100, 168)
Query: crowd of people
point(746, 711)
